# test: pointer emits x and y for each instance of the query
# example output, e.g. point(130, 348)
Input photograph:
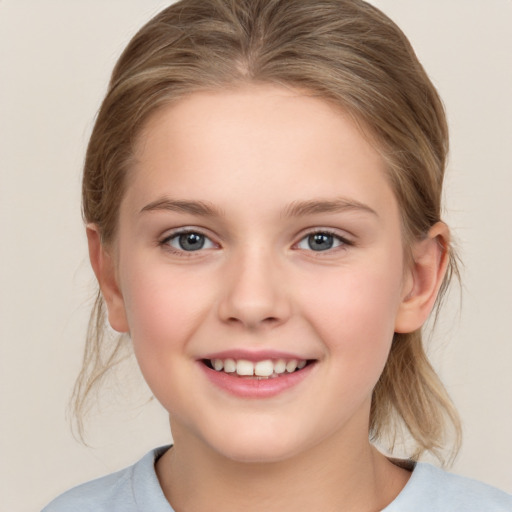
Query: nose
point(254, 292)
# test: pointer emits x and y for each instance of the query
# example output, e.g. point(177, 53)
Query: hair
point(346, 52)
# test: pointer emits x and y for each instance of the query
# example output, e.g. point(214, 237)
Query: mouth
point(257, 370)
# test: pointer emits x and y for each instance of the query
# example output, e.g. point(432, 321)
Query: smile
point(251, 376)
point(265, 369)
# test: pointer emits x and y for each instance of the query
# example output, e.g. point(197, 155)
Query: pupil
point(320, 241)
point(191, 241)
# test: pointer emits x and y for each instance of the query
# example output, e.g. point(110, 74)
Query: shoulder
point(124, 491)
point(98, 495)
point(434, 490)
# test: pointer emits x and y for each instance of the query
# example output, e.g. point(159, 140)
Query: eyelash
point(165, 242)
point(343, 242)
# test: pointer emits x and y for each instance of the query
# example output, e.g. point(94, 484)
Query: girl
point(262, 198)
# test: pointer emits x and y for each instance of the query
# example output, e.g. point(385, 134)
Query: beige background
point(55, 59)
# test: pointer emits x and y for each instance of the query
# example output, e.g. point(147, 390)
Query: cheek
point(163, 311)
point(357, 329)
point(356, 317)
point(163, 314)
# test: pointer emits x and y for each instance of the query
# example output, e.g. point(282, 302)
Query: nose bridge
point(254, 293)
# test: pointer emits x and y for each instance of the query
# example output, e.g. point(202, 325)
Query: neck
point(357, 478)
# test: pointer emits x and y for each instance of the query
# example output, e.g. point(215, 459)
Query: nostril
point(253, 323)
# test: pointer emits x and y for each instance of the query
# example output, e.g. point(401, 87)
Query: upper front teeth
point(263, 368)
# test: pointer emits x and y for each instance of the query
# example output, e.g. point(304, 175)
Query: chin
point(256, 448)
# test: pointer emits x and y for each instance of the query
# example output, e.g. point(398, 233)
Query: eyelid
point(170, 235)
point(345, 240)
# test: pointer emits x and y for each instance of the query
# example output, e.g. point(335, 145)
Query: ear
point(423, 279)
point(104, 267)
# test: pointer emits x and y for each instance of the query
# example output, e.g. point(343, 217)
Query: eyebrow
point(295, 209)
point(338, 205)
point(201, 208)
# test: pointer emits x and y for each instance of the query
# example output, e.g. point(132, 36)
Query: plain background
point(55, 60)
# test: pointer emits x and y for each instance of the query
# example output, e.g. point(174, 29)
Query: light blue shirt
point(136, 489)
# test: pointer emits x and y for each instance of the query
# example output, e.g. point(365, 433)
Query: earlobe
point(103, 264)
point(424, 279)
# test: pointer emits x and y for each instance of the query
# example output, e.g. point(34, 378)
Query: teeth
point(280, 366)
point(263, 369)
point(229, 366)
point(244, 367)
point(291, 366)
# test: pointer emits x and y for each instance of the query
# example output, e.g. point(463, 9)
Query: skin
point(251, 155)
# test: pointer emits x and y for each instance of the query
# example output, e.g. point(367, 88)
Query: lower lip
point(256, 388)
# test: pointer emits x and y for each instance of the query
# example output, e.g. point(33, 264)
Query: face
point(260, 270)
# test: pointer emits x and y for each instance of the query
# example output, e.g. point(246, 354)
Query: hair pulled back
point(344, 51)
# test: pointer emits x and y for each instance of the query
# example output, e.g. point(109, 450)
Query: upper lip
point(253, 355)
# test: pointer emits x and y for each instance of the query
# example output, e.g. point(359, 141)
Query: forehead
point(263, 140)
point(258, 112)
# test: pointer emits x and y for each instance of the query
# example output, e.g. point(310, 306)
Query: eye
point(321, 241)
point(188, 241)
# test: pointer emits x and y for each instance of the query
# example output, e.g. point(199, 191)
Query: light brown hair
point(344, 51)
